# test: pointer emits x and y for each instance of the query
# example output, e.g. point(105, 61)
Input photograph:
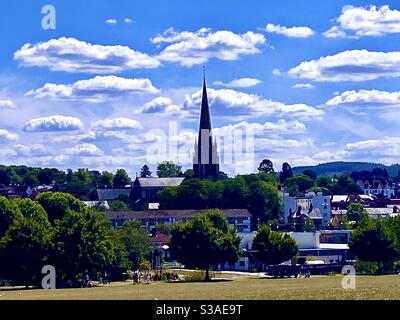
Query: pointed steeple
point(205, 119)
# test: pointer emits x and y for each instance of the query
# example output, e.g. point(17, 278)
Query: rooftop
point(160, 182)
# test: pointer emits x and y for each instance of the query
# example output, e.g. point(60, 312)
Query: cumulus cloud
point(191, 48)
point(357, 22)
point(365, 98)
point(231, 103)
point(303, 86)
point(53, 123)
point(33, 150)
point(160, 105)
point(276, 72)
point(239, 83)
point(6, 136)
point(72, 55)
point(111, 21)
point(291, 32)
point(116, 124)
point(128, 20)
point(85, 149)
point(94, 90)
point(7, 104)
point(351, 65)
point(386, 148)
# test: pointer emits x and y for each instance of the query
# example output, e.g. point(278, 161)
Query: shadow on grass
point(201, 281)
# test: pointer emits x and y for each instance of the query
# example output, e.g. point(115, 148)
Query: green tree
point(302, 182)
point(145, 171)
point(266, 166)
point(264, 201)
point(82, 244)
point(8, 213)
point(121, 178)
point(25, 245)
point(57, 204)
point(118, 205)
point(374, 242)
point(106, 179)
point(310, 173)
point(137, 244)
point(286, 172)
point(357, 213)
point(169, 169)
point(273, 247)
point(205, 241)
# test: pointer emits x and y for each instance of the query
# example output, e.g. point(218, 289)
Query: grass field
point(318, 287)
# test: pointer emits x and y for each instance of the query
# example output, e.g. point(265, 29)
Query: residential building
point(313, 205)
point(239, 219)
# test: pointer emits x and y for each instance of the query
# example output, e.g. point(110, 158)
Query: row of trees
point(207, 241)
point(57, 229)
point(256, 192)
point(309, 181)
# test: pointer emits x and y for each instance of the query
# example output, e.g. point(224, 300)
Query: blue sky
point(312, 81)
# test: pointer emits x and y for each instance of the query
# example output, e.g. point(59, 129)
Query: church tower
point(206, 157)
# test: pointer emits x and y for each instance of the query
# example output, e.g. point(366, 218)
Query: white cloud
point(116, 124)
point(303, 86)
point(72, 55)
point(85, 149)
point(53, 123)
point(7, 104)
point(291, 32)
point(357, 22)
point(94, 90)
point(191, 48)
point(6, 136)
point(351, 65)
point(276, 72)
point(366, 98)
point(384, 149)
point(239, 83)
point(231, 103)
point(111, 21)
point(161, 105)
point(128, 20)
point(26, 151)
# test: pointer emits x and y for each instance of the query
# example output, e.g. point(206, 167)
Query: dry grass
point(321, 287)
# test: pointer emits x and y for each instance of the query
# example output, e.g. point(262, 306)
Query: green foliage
point(309, 225)
point(310, 173)
point(82, 244)
point(273, 247)
point(121, 178)
point(136, 243)
point(373, 241)
point(266, 166)
point(106, 179)
point(286, 172)
point(357, 213)
point(8, 213)
point(366, 267)
point(58, 204)
point(118, 205)
point(204, 241)
point(145, 171)
point(302, 182)
point(169, 169)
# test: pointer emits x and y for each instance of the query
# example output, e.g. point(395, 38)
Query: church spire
point(205, 119)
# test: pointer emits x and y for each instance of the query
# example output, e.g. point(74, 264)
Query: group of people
point(144, 277)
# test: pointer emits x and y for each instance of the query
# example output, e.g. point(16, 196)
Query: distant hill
point(338, 167)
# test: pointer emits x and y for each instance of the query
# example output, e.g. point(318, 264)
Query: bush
point(195, 276)
point(365, 267)
point(166, 275)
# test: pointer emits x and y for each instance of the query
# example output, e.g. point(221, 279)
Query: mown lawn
point(318, 287)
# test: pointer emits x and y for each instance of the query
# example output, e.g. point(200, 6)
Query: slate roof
point(160, 182)
point(112, 194)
